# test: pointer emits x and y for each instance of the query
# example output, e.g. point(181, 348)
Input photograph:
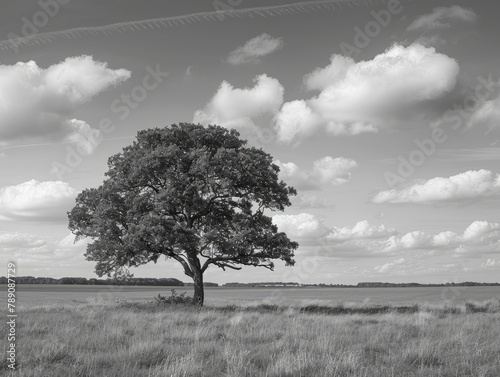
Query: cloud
point(328, 170)
point(333, 170)
point(254, 49)
point(389, 266)
point(405, 80)
point(303, 225)
point(487, 115)
point(237, 108)
point(189, 73)
point(35, 201)
point(366, 240)
point(479, 229)
point(322, 78)
point(442, 17)
point(310, 201)
point(462, 187)
point(17, 240)
point(38, 104)
point(38, 255)
point(361, 230)
point(491, 263)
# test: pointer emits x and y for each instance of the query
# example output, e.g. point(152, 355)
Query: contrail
point(59, 143)
point(174, 21)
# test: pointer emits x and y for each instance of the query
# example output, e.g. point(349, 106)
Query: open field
point(132, 339)
point(28, 295)
point(308, 337)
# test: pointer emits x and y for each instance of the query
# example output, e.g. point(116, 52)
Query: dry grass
point(146, 339)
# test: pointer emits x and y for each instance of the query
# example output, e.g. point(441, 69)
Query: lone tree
point(190, 193)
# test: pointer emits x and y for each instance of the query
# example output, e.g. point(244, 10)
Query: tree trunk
point(199, 293)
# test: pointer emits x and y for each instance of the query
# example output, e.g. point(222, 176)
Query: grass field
point(133, 338)
point(79, 294)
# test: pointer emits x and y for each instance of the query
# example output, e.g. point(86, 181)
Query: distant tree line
point(389, 285)
point(263, 284)
point(178, 283)
point(359, 285)
point(93, 281)
point(205, 284)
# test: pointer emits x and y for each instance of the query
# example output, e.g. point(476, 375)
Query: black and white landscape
point(372, 152)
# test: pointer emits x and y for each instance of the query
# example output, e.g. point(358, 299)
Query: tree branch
point(181, 260)
point(223, 265)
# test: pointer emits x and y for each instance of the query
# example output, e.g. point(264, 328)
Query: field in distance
point(28, 295)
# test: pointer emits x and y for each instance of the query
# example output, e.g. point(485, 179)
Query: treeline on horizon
point(178, 283)
point(359, 285)
point(93, 281)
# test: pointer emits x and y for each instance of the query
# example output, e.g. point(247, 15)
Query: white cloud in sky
point(442, 17)
point(362, 97)
point(322, 78)
point(237, 108)
point(255, 48)
point(487, 115)
point(364, 239)
point(328, 170)
point(361, 230)
point(37, 254)
point(471, 185)
point(303, 225)
point(491, 263)
point(479, 229)
point(39, 104)
point(16, 240)
point(36, 201)
point(333, 170)
point(387, 267)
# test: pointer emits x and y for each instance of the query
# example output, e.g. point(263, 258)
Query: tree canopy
point(190, 193)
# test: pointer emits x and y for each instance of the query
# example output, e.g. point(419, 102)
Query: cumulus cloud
point(34, 201)
point(322, 78)
point(38, 254)
point(404, 79)
point(479, 229)
point(329, 170)
point(491, 263)
point(442, 17)
point(255, 48)
point(334, 170)
point(365, 240)
point(389, 266)
point(471, 185)
point(38, 104)
point(303, 225)
point(237, 108)
point(487, 115)
point(361, 230)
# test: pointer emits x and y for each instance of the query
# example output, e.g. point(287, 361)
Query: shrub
point(174, 298)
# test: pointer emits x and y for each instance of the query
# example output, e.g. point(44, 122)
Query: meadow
point(288, 333)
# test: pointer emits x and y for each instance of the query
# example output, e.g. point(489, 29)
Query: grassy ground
point(147, 339)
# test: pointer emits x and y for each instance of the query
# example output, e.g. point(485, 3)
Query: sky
point(384, 115)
